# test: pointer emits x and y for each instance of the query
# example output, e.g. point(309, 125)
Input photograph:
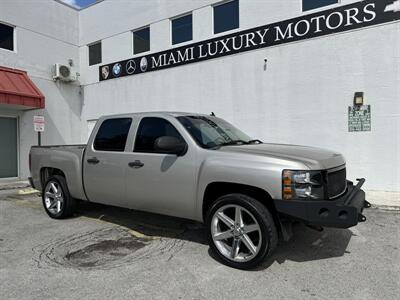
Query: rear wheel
point(241, 231)
point(57, 201)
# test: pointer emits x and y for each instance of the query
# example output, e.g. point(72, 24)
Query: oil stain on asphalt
point(105, 248)
point(104, 251)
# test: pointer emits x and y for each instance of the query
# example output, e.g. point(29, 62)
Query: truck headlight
point(302, 185)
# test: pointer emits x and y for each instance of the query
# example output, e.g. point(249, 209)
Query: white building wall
point(301, 98)
point(46, 32)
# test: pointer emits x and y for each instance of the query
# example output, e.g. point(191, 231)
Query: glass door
point(8, 147)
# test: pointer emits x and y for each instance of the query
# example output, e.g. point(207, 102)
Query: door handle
point(93, 161)
point(136, 164)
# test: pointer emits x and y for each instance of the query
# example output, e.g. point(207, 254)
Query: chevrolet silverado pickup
point(202, 168)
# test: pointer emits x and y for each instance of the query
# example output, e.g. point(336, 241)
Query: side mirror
point(170, 145)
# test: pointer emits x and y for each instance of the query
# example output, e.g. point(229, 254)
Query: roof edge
point(67, 5)
point(78, 8)
point(90, 5)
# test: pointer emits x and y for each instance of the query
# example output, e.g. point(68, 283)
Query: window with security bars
point(6, 37)
point(95, 54)
point(141, 40)
point(313, 4)
point(182, 29)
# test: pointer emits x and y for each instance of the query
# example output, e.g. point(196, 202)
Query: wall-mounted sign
point(360, 118)
point(38, 123)
point(339, 19)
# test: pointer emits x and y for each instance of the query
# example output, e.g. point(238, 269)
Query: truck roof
point(154, 113)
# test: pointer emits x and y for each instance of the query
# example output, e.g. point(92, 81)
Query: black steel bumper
point(343, 212)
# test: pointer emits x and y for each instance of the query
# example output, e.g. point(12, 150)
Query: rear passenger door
point(160, 183)
point(105, 162)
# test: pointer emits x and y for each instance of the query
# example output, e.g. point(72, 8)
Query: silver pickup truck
point(201, 168)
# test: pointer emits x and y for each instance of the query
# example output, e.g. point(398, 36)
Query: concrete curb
point(28, 191)
point(14, 185)
point(386, 207)
point(383, 199)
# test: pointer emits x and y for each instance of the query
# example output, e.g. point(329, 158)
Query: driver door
point(159, 182)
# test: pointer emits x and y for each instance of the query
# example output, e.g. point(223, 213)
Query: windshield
point(212, 132)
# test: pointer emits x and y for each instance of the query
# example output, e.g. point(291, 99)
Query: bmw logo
point(117, 69)
point(143, 64)
point(130, 67)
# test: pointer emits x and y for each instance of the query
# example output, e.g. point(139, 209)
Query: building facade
point(283, 72)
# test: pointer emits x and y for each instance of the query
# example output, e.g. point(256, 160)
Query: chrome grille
point(336, 183)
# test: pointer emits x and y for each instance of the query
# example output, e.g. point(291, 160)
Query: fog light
point(324, 212)
point(343, 215)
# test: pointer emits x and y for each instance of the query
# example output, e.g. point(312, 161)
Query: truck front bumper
point(343, 212)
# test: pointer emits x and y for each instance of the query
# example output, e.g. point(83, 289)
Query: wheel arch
point(74, 183)
point(47, 172)
point(215, 190)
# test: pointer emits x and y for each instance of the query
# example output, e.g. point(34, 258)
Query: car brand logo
point(105, 71)
point(394, 7)
point(130, 67)
point(143, 64)
point(117, 69)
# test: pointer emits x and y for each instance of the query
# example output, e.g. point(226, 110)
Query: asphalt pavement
point(112, 253)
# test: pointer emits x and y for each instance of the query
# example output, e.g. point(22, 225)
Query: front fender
point(260, 172)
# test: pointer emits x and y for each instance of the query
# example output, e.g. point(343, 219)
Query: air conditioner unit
point(64, 73)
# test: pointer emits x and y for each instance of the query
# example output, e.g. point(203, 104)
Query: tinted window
point(141, 40)
point(226, 16)
point(182, 29)
point(151, 129)
point(112, 135)
point(6, 37)
point(312, 4)
point(95, 54)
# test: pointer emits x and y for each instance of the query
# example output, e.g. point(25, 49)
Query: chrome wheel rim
point(236, 233)
point(53, 198)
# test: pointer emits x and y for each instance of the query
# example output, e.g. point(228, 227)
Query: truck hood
point(314, 158)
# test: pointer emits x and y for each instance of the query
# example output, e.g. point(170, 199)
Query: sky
point(79, 3)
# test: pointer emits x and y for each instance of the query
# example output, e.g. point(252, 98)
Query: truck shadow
point(305, 245)
point(147, 224)
point(310, 245)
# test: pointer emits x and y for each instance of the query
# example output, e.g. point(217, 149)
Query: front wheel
point(241, 231)
point(57, 201)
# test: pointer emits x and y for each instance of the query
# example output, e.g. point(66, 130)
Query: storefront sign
point(38, 123)
point(344, 18)
point(360, 118)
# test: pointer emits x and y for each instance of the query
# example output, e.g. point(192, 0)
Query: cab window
point(112, 135)
point(150, 129)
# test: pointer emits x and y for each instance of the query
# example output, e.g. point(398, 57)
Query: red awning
point(18, 90)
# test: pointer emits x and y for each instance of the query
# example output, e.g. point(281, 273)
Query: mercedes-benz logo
point(130, 67)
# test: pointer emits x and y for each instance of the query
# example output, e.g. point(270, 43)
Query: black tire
point(69, 204)
point(269, 235)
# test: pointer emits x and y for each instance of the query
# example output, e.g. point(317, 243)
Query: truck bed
point(67, 158)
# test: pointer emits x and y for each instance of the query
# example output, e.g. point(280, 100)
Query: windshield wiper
point(255, 141)
point(232, 143)
point(240, 142)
